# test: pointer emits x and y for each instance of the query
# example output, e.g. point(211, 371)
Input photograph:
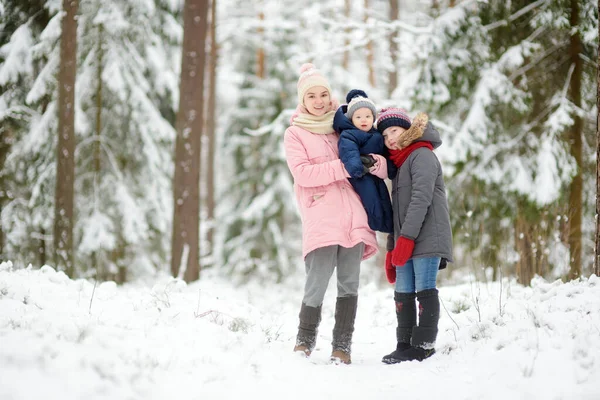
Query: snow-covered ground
point(65, 339)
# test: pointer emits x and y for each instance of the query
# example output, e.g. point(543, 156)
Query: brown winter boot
point(340, 357)
point(301, 348)
point(310, 317)
point(345, 314)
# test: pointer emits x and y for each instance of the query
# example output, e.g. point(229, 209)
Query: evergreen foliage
point(258, 213)
point(123, 155)
point(494, 76)
point(497, 76)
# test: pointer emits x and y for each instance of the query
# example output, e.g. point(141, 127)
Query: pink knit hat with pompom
point(310, 77)
point(392, 117)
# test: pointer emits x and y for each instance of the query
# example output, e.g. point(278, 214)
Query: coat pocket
point(315, 199)
point(310, 196)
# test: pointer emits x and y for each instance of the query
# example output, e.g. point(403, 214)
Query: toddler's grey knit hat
point(357, 99)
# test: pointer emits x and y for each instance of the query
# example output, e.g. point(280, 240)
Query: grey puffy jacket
point(419, 198)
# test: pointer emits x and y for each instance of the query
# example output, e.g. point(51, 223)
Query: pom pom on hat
point(354, 93)
point(310, 77)
point(358, 99)
point(305, 67)
point(392, 117)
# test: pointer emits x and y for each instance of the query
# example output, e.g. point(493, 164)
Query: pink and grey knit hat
point(392, 117)
point(310, 77)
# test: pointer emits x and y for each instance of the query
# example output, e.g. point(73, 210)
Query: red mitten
point(390, 270)
point(402, 251)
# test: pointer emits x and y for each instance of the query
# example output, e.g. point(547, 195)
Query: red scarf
point(399, 156)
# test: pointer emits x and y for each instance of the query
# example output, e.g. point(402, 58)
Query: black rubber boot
point(406, 313)
point(395, 356)
point(425, 334)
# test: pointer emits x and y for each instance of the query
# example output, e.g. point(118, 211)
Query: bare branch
point(535, 34)
point(534, 63)
point(514, 16)
point(447, 312)
point(587, 60)
point(92, 298)
point(567, 82)
point(197, 313)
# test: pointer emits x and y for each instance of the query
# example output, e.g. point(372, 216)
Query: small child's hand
point(379, 168)
point(367, 161)
point(375, 167)
point(364, 171)
point(402, 251)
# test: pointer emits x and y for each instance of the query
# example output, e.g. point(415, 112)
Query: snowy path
point(210, 340)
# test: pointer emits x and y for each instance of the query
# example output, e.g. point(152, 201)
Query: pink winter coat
point(331, 211)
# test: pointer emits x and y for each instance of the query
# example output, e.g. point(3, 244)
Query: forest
point(146, 136)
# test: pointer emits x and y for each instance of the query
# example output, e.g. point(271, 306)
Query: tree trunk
point(65, 162)
point(370, 52)
point(576, 143)
point(210, 126)
point(260, 53)
point(42, 248)
point(186, 182)
point(393, 74)
point(597, 258)
point(261, 74)
point(346, 56)
point(530, 236)
point(525, 268)
point(97, 259)
point(6, 138)
point(117, 255)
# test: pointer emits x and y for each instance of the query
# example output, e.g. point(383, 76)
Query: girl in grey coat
point(422, 239)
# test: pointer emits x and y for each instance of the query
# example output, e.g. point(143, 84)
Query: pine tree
point(513, 133)
point(496, 80)
point(127, 83)
point(25, 155)
point(258, 211)
point(549, 46)
point(126, 99)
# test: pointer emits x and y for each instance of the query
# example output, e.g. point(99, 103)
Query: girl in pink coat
point(335, 229)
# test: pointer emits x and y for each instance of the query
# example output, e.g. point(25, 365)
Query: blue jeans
point(417, 274)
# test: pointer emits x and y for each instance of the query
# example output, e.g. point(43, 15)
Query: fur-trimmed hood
point(421, 130)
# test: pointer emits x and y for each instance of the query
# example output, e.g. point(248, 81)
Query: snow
point(166, 339)
point(16, 58)
point(99, 233)
point(158, 337)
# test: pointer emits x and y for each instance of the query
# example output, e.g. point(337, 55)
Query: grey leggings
point(320, 264)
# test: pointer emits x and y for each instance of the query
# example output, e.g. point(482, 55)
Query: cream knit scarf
point(322, 125)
